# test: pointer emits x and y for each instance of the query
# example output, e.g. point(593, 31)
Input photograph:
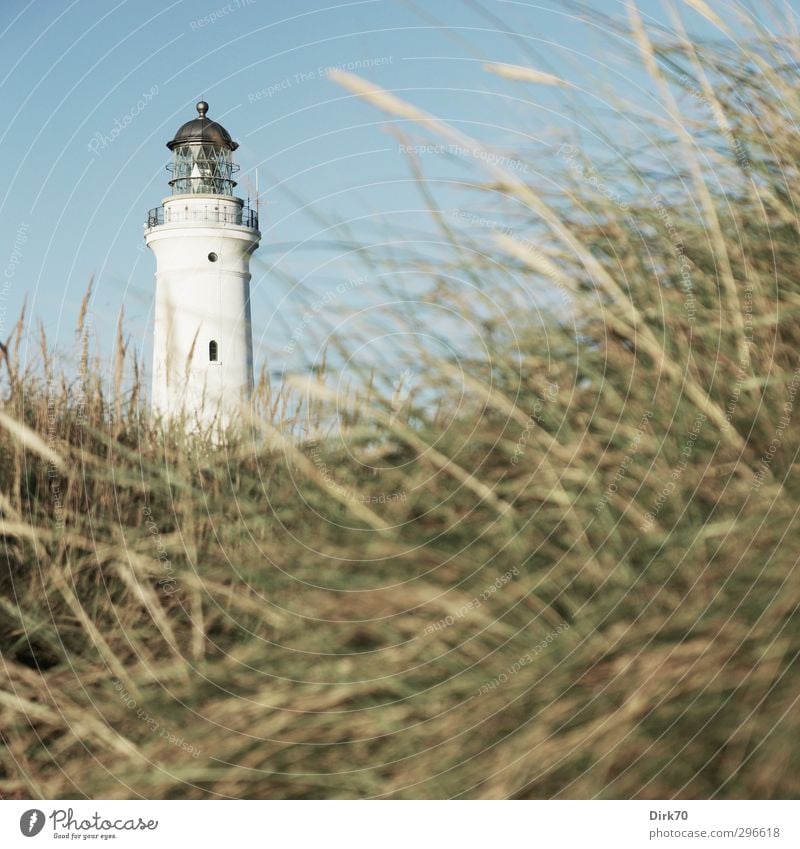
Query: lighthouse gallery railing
point(244, 217)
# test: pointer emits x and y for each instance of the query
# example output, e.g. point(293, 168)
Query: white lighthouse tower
point(202, 237)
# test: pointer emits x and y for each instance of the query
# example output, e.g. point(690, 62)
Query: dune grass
point(564, 568)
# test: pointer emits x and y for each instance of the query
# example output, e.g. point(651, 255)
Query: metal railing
point(244, 217)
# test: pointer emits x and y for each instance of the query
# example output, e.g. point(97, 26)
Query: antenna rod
point(257, 207)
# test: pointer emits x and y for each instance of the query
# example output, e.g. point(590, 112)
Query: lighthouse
point(203, 237)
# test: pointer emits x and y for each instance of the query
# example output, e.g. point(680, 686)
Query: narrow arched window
point(213, 351)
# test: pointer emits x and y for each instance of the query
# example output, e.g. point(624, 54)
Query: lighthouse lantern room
point(203, 237)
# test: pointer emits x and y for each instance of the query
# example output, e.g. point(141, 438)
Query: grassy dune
point(570, 572)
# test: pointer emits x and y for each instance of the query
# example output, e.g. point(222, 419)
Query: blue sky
point(92, 90)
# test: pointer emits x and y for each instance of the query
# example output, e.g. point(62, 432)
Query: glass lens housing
point(202, 169)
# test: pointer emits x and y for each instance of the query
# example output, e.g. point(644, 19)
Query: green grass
point(599, 601)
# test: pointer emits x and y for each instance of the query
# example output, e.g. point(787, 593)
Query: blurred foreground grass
point(570, 572)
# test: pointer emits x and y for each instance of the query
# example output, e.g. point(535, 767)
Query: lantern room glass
point(202, 169)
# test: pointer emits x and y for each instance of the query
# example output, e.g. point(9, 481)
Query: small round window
point(212, 257)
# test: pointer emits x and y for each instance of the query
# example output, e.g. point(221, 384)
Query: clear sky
point(91, 91)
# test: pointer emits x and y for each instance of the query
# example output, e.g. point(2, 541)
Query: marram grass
point(570, 571)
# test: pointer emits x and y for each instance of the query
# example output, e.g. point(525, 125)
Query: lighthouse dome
point(203, 130)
